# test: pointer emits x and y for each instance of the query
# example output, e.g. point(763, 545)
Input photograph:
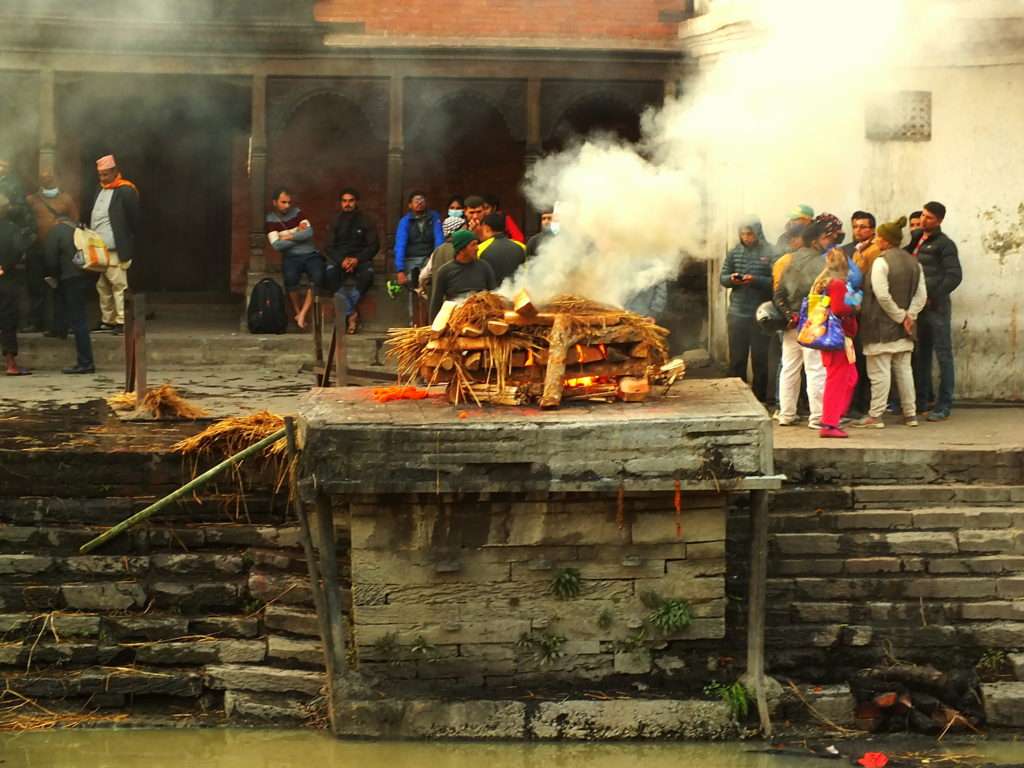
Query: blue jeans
point(935, 336)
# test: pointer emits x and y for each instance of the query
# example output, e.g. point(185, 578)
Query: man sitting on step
point(354, 243)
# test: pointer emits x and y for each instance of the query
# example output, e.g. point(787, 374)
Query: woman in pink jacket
point(840, 364)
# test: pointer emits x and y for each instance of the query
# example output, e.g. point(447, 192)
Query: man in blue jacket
point(417, 235)
point(747, 270)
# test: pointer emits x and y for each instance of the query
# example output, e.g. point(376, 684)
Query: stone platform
point(708, 435)
point(504, 549)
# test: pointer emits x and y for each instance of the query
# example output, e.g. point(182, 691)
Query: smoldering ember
point(516, 371)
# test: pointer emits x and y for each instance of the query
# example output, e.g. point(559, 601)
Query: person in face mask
point(48, 204)
point(548, 229)
point(456, 207)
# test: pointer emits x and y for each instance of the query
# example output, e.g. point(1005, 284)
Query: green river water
point(305, 749)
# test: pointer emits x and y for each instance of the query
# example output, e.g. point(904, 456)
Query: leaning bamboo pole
point(186, 489)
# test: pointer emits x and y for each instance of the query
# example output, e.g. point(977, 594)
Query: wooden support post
point(396, 153)
point(332, 585)
point(138, 342)
point(318, 340)
point(312, 567)
point(129, 342)
point(338, 346)
point(533, 144)
point(47, 121)
point(759, 501)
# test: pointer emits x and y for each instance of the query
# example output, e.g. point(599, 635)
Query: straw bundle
point(162, 403)
point(20, 713)
point(229, 436)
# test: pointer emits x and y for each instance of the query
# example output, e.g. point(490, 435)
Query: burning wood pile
point(491, 350)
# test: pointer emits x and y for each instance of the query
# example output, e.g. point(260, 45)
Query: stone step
point(927, 465)
point(834, 497)
point(922, 519)
point(255, 507)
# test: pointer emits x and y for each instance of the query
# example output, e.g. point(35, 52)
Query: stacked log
point(488, 349)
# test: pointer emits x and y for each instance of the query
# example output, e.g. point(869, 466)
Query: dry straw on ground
point(162, 403)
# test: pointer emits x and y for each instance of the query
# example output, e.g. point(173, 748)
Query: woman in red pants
point(840, 365)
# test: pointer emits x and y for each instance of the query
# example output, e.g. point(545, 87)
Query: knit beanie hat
point(892, 231)
point(830, 225)
point(802, 211)
point(462, 238)
point(452, 224)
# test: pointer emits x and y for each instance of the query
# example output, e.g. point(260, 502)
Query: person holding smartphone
point(747, 271)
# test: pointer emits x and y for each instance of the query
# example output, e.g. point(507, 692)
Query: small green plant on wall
point(566, 585)
point(387, 646)
point(544, 646)
point(669, 617)
point(733, 694)
point(605, 620)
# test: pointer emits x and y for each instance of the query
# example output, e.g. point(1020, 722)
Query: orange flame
point(604, 351)
point(582, 381)
point(579, 352)
point(529, 357)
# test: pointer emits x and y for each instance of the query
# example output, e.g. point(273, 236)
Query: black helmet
point(769, 319)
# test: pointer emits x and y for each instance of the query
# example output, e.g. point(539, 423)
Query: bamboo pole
point(186, 489)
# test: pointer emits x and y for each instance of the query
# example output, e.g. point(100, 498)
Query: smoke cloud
point(778, 122)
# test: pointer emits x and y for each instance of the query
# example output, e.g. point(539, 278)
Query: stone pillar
point(47, 121)
point(257, 186)
point(533, 144)
point(396, 155)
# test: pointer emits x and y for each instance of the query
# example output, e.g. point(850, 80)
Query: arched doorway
point(173, 138)
point(464, 146)
point(597, 114)
point(328, 143)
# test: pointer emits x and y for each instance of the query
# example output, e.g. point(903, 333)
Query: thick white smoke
point(776, 122)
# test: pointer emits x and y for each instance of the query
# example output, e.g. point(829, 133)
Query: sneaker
point(815, 425)
point(832, 432)
point(910, 421)
point(938, 415)
point(117, 329)
point(104, 328)
point(78, 369)
point(785, 422)
point(869, 421)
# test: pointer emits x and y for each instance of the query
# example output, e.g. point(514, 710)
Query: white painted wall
point(974, 164)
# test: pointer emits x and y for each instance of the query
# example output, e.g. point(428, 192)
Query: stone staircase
point(203, 613)
point(922, 572)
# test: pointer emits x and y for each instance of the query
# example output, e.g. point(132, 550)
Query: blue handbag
point(819, 328)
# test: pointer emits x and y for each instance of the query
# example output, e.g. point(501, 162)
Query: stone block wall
point(455, 592)
point(928, 573)
point(206, 611)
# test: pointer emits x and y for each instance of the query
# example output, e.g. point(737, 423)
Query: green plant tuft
point(651, 600)
point(671, 616)
point(387, 645)
point(993, 661)
point(605, 619)
point(544, 646)
point(422, 647)
point(566, 584)
point(733, 694)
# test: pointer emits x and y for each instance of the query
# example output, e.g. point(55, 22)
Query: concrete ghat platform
point(709, 435)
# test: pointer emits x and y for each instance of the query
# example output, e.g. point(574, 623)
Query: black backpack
point(266, 312)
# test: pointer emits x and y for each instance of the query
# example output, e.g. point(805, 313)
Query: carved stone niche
point(424, 96)
point(287, 95)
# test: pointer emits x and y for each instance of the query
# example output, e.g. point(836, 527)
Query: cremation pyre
point(489, 349)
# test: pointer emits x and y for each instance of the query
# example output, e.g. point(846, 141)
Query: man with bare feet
point(292, 236)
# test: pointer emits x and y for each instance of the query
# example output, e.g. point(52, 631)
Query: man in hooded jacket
point(747, 270)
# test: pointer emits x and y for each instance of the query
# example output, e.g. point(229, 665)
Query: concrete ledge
point(568, 720)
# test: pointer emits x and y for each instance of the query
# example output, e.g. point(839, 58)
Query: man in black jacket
point(13, 242)
point(940, 262)
point(354, 243)
point(72, 287)
point(503, 254)
point(114, 214)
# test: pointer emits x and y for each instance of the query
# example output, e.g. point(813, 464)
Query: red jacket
point(839, 307)
point(512, 229)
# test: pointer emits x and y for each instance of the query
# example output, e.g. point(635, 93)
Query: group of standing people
point(892, 304)
point(40, 231)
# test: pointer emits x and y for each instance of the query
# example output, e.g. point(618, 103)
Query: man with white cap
point(115, 216)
